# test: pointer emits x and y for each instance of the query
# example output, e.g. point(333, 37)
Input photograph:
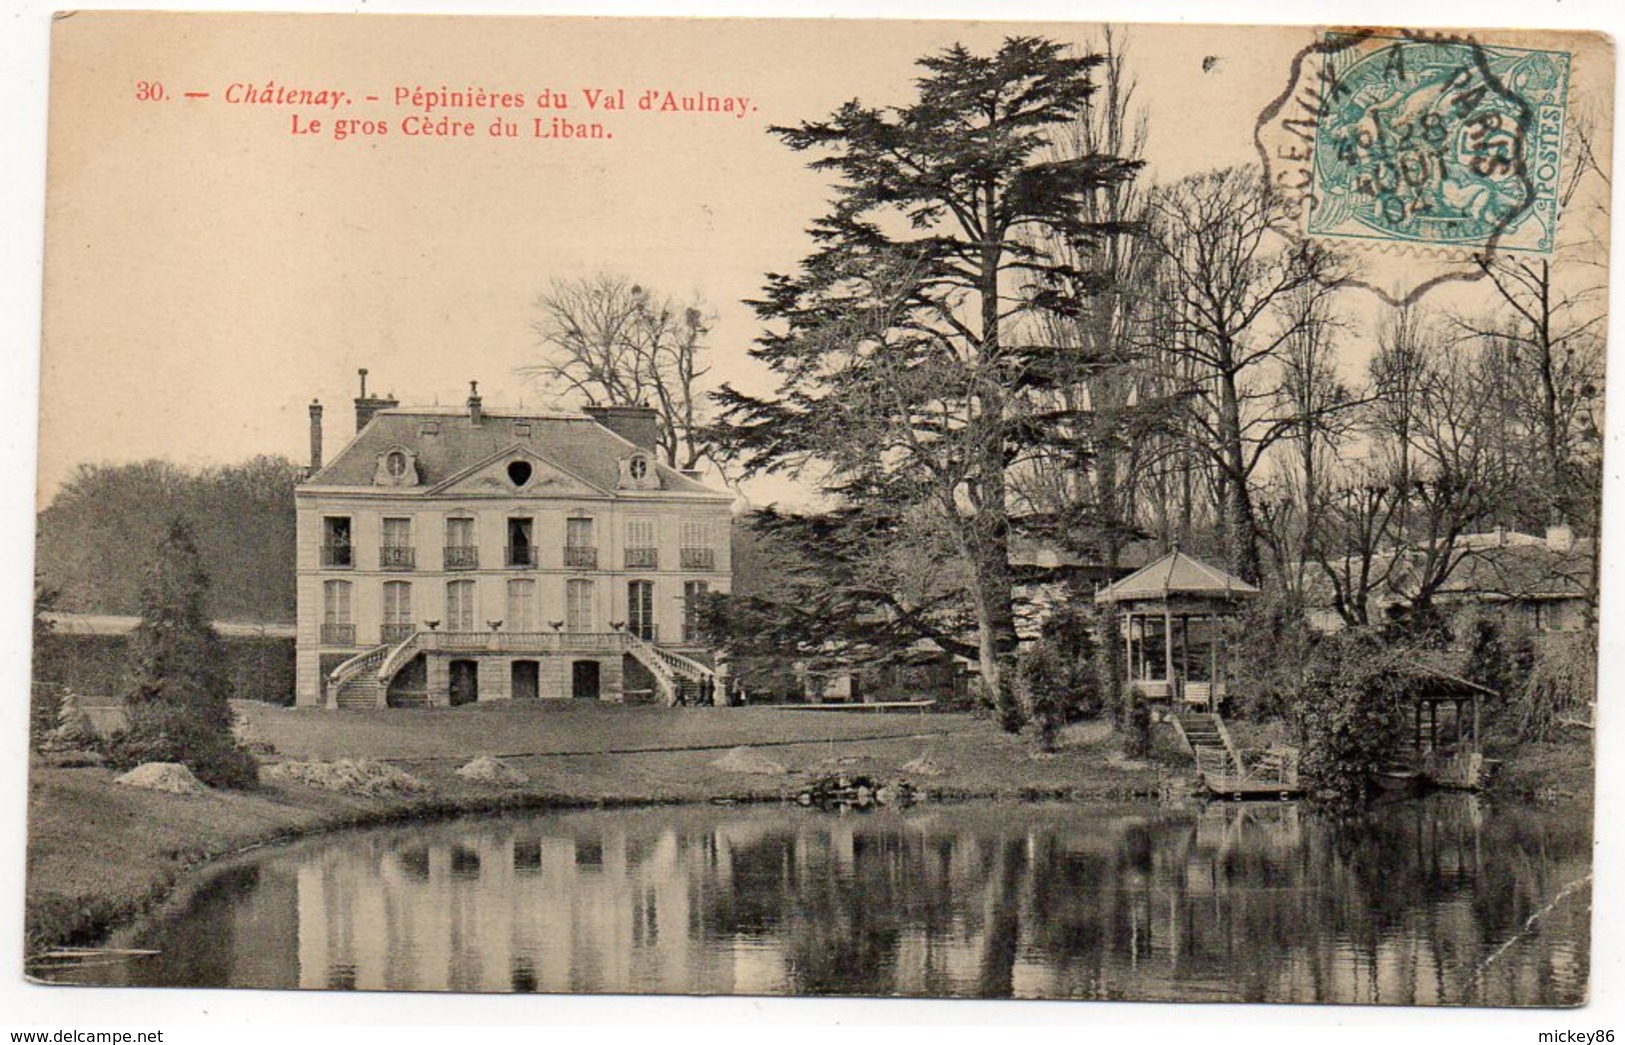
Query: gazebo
point(1173, 615)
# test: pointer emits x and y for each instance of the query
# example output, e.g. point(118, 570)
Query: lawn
point(547, 728)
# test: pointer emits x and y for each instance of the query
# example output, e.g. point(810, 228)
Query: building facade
point(453, 555)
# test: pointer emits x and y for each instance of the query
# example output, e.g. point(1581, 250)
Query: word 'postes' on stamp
point(1438, 143)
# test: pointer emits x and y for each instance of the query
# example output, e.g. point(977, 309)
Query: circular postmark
point(1430, 152)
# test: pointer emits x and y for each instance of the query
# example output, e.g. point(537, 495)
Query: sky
point(149, 350)
point(209, 272)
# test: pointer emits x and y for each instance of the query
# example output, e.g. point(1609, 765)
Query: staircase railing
point(352, 668)
point(1229, 745)
point(398, 655)
point(667, 666)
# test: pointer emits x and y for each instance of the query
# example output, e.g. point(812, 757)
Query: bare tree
point(616, 343)
point(1240, 299)
point(1318, 408)
point(1550, 321)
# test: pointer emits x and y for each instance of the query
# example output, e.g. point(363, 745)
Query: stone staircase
point(678, 677)
point(1209, 743)
point(354, 685)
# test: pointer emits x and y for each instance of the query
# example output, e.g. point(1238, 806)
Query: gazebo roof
point(1175, 574)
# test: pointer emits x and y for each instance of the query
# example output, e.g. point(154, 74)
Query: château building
point(448, 555)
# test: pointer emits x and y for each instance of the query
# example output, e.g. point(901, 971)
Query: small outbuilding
point(1173, 617)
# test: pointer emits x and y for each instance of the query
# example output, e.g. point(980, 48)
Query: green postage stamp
point(1438, 142)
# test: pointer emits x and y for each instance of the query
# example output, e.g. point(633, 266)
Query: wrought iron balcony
point(462, 557)
point(522, 641)
point(395, 633)
point(699, 558)
point(642, 558)
point(338, 634)
point(522, 556)
point(395, 557)
point(581, 557)
point(338, 555)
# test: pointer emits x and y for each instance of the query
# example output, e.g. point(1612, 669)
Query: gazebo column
point(1128, 644)
point(1168, 653)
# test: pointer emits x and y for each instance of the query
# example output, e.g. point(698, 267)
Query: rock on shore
point(351, 776)
point(172, 777)
point(489, 770)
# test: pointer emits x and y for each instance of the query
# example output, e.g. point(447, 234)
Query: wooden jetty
point(1271, 775)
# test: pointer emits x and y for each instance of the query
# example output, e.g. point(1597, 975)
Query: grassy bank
point(99, 854)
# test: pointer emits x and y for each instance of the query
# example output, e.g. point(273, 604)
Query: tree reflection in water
point(1413, 903)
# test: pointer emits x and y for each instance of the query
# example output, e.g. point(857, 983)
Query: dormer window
point(638, 473)
point(397, 466)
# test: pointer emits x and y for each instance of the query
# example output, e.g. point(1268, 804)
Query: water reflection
point(1413, 904)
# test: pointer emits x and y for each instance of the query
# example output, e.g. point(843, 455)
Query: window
point(640, 609)
point(578, 610)
point(459, 605)
point(694, 593)
point(336, 546)
point(461, 554)
point(395, 464)
point(638, 468)
point(697, 553)
point(336, 602)
point(580, 549)
point(522, 606)
point(398, 622)
point(396, 552)
point(521, 543)
point(641, 552)
point(338, 628)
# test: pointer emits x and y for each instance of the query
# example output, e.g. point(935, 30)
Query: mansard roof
point(574, 442)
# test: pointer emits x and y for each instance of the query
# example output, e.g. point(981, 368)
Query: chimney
point(1560, 538)
point(638, 425)
point(366, 406)
point(475, 415)
point(315, 436)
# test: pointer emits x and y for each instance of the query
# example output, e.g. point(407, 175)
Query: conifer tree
point(899, 344)
point(177, 699)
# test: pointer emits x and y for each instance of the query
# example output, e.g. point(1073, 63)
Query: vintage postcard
point(870, 508)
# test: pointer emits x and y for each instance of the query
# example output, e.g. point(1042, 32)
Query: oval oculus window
point(638, 467)
point(519, 472)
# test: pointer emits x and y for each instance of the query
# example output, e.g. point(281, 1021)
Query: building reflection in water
point(1405, 905)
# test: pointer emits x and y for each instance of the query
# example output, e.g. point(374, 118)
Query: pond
point(1440, 901)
